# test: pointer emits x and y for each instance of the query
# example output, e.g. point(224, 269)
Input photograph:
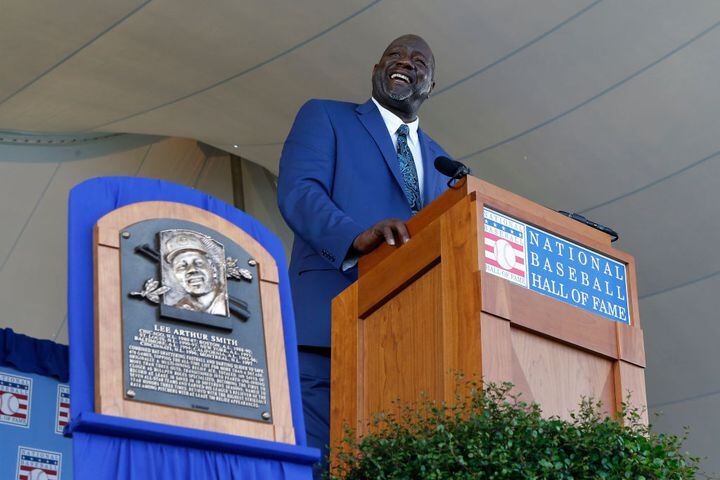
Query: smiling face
point(194, 272)
point(404, 77)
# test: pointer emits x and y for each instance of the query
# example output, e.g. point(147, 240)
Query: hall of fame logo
point(62, 408)
point(505, 251)
point(34, 464)
point(15, 398)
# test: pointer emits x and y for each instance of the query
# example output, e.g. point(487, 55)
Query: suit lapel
point(372, 121)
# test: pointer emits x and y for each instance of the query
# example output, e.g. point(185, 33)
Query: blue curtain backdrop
point(109, 447)
point(31, 355)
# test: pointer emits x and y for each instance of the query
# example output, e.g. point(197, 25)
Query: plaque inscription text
point(202, 366)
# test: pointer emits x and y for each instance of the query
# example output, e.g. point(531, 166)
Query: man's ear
point(432, 87)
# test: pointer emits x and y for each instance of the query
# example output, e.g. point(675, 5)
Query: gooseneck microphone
point(579, 218)
point(451, 168)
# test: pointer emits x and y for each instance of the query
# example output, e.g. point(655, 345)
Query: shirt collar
point(393, 122)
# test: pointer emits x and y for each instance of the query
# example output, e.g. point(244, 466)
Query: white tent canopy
point(605, 107)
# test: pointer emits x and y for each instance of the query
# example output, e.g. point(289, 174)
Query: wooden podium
point(422, 312)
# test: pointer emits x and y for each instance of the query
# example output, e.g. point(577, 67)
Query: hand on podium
point(392, 230)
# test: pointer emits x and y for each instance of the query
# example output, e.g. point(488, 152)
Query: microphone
point(579, 218)
point(451, 168)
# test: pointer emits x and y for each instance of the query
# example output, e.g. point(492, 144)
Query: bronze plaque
point(192, 322)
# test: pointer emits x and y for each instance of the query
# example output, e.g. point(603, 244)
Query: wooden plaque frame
point(109, 398)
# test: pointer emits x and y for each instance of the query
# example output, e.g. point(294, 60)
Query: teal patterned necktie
point(407, 169)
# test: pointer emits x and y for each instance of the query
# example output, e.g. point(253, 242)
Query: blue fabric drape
point(30, 355)
point(121, 458)
point(137, 449)
point(108, 447)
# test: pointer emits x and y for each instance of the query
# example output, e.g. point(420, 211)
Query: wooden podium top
point(507, 202)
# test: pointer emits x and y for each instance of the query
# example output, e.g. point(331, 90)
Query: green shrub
point(491, 434)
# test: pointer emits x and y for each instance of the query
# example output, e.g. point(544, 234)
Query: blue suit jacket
point(339, 175)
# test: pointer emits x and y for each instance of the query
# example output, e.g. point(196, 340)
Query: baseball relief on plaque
point(192, 322)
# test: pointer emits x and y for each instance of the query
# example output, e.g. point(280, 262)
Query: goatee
point(401, 97)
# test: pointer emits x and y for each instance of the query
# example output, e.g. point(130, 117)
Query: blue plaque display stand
point(107, 447)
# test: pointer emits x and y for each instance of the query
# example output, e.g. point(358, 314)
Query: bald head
point(405, 75)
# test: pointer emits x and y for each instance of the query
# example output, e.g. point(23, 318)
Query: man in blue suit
point(350, 176)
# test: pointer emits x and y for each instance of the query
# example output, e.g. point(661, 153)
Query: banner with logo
point(552, 266)
point(34, 409)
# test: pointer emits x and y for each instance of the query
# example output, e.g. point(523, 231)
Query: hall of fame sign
point(15, 400)
point(552, 266)
point(36, 464)
point(62, 408)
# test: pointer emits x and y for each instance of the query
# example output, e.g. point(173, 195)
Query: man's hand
point(391, 231)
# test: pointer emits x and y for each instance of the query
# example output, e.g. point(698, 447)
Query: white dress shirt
point(392, 123)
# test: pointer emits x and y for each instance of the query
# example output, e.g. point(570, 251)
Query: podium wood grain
point(423, 311)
